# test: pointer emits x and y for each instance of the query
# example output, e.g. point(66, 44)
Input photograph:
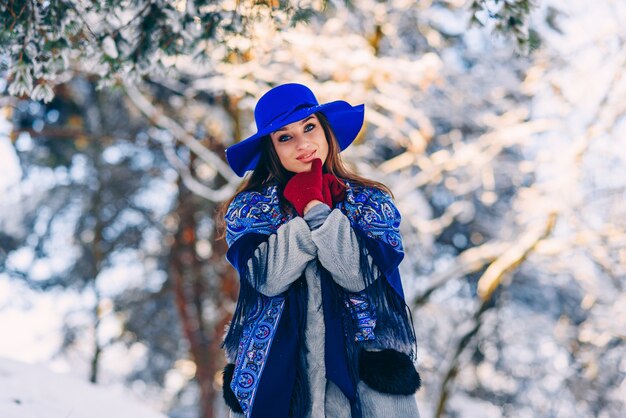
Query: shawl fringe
point(393, 315)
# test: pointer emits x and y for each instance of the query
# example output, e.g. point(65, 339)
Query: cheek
point(324, 146)
point(283, 151)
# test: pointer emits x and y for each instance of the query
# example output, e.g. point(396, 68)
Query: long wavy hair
point(269, 170)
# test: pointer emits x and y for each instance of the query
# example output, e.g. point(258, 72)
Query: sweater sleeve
point(339, 252)
point(316, 216)
point(281, 260)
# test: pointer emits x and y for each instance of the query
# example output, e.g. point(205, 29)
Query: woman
point(321, 328)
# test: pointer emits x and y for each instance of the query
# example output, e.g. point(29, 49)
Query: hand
point(306, 186)
point(335, 187)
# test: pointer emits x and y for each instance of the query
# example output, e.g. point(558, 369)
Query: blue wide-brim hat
point(286, 104)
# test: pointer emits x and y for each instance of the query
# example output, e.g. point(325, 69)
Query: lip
point(307, 159)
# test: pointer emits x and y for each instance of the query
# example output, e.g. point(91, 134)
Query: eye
point(284, 138)
point(309, 127)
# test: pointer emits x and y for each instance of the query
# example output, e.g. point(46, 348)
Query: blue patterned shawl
point(268, 348)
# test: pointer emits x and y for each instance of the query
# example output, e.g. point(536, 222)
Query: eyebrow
point(301, 123)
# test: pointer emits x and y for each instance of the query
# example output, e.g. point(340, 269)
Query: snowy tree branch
point(178, 132)
point(513, 257)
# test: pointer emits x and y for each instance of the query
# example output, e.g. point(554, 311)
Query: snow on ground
point(32, 391)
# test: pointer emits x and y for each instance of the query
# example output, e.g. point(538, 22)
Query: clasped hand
point(304, 187)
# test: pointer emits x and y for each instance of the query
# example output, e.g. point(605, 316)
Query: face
point(299, 143)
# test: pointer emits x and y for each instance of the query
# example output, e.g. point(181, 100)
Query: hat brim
point(345, 120)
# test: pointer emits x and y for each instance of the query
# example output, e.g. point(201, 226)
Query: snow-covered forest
point(503, 141)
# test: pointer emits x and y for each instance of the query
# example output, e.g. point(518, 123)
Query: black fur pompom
point(229, 395)
point(389, 371)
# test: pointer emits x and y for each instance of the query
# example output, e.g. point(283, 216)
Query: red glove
point(335, 187)
point(306, 186)
point(328, 197)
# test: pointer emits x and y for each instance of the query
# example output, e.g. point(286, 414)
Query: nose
point(302, 143)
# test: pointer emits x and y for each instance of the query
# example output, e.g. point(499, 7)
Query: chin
point(300, 167)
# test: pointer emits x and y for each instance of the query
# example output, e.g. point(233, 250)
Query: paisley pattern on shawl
point(254, 347)
point(372, 211)
point(376, 220)
point(257, 215)
point(257, 212)
point(359, 307)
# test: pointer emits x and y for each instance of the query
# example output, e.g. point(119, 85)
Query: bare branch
point(513, 257)
point(469, 261)
point(189, 180)
point(461, 210)
point(178, 132)
point(487, 147)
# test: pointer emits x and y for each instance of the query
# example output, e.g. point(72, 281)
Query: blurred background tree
point(508, 170)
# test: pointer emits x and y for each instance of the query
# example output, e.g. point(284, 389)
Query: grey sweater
point(328, 236)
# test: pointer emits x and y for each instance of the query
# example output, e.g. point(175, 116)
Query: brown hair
point(270, 170)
